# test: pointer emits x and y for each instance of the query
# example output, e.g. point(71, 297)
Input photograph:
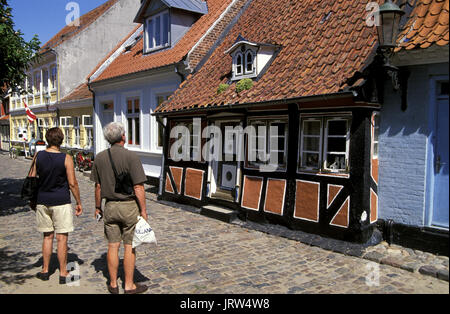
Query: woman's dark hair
point(54, 137)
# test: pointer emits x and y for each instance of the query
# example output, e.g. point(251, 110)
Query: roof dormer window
point(249, 59)
point(157, 32)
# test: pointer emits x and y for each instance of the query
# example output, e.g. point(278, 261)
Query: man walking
point(121, 210)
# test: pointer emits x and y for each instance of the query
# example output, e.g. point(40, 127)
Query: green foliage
point(15, 54)
point(222, 88)
point(244, 84)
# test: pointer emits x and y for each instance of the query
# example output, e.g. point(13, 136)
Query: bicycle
point(13, 152)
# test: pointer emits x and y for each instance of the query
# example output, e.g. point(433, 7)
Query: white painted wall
point(147, 89)
point(79, 55)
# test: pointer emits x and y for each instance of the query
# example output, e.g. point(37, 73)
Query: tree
point(16, 54)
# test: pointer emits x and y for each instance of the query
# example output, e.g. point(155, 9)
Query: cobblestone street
point(195, 254)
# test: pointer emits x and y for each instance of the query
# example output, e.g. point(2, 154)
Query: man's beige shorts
point(57, 219)
point(120, 221)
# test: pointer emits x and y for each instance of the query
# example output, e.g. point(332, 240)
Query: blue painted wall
point(405, 138)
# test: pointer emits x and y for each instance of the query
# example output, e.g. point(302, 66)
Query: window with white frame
point(41, 127)
point(65, 123)
point(45, 80)
point(194, 140)
point(157, 31)
point(88, 128)
point(324, 143)
point(53, 76)
point(133, 112)
point(37, 82)
point(244, 62)
point(268, 141)
point(76, 130)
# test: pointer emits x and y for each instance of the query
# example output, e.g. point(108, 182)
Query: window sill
point(152, 50)
point(324, 173)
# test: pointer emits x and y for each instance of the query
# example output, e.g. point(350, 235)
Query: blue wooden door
point(441, 192)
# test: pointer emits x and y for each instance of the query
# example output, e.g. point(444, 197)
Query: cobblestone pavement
point(195, 254)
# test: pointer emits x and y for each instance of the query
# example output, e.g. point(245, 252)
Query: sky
point(46, 17)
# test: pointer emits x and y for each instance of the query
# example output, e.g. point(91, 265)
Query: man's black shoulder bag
point(124, 184)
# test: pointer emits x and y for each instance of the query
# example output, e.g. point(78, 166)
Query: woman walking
point(53, 205)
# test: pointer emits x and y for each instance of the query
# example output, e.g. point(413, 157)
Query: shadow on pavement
point(54, 263)
point(10, 200)
point(100, 265)
point(13, 265)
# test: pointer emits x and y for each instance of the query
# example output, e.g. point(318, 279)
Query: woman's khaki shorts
point(120, 221)
point(57, 219)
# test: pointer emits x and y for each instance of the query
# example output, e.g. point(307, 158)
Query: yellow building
point(55, 89)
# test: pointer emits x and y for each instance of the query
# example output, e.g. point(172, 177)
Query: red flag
point(31, 117)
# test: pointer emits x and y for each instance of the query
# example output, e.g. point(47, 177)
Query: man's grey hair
point(113, 132)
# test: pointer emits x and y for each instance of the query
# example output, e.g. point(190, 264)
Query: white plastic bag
point(143, 233)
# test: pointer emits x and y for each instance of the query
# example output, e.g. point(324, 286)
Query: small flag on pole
point(30, 115)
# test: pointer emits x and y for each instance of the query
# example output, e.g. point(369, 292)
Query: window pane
point(136, 106)
point(129, 106)
point(249, 62)
point(311, 127)
point(160, 135)
point(337, 127)
point(337, 144)
point(150, 35)
point(137, 132)
point(166, 29)
point(239, 65)
point(310, 160)
point(158, 31)
point(130, 131)
point(311, 144)
point(335, 162)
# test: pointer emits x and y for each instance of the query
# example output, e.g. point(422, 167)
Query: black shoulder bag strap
point(112, 164)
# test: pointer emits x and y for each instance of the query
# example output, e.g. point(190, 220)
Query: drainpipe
point(93, 111)
point(161, 177)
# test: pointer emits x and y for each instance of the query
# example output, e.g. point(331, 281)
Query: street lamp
point(389, 15)
point(388, 21)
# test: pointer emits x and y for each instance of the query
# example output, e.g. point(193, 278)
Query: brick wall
point(201, 50)
point(403, 149)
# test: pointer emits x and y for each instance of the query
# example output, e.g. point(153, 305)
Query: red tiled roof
point(70, 31)
point(79, 93)
point(427, 25)
point(135, 61)
point(323, 44)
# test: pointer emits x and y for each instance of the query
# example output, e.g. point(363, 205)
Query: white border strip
point(338, 212)
point(370, 217)
point(328, 194)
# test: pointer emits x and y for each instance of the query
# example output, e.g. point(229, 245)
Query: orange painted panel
point(194, 183)
point(169, 187)
point(252, 192)
point(341, 217)
point(373, 206)
point(177, 174)
point(333, 191)
point(307, 200)
point(375, 170)
point(275, 196)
